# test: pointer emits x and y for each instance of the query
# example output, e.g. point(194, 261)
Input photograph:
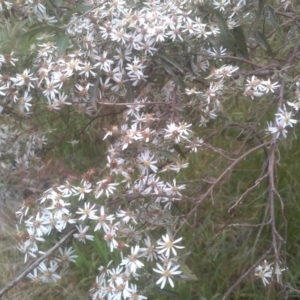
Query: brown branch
point(232, 58)
point(229, 291)
point(271, 165)
point(260, 72)
point(255, 134)
point(228, 169)
point(249, 225)
point(174, 102)
point(293, 55)
point(216, 150)
point(225, 172)
point(272, 189)
point(133, 103)
point(36, 263)
point(240, 200)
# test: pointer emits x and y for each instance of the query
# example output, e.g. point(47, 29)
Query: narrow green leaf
point(17, 28)
point(166, 66)
point(177, 78)
point(94, 93)
point(62, 43)
point(262, 41)
point(39, 30)
point(179, 81)
point(168, 293)
point(226, 35)
point(178, 150)
point(83, 8)
point(286, 77)
point(273, 21)
point(188, 274)
point(261, 4)
point(129, 91)
point(170, 60)
point(168, 154)
point(259, 13)
point(241, 41)
point(81, 261)
point(101, 248)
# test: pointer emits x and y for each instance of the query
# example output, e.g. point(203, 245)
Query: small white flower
point(103, 219)
point(277, 129)
point(110, 239)
point(131, 261)
point(135, 69)
point(38, 223)
point(30, 243)
point(166, 245)
point(35, 277)
point(82, 191)
point(285, 117)
point(104, 186)
point(266, 86)
point(49, 274)
point(192, 91)
point(263, 272)
point(115, 276)
point(127, 215)
point(59, 206)
point(150, 251)
point(174, 189)
point(24, 79)
point(295, 105)
point(87, 211)
point(67, 255)
point(81, 236)
point(220, 4)
point(66, 189)
point(132, 293)
point(252, 92)
point(166, 273)
point(147, 161)
point(173, 131)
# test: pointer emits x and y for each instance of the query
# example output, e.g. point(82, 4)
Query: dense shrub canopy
point(169, 117)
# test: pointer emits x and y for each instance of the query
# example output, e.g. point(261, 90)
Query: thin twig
point(249, 225)
point(231, 58)
point(271, 165)
point(174, 103)
point(293, 56)
point(134, 103)
point(36, 263)
point(219, 151)
point(240, 200)
point(225, 172)
point(241, 278)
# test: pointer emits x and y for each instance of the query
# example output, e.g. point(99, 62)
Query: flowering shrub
point(169, 73)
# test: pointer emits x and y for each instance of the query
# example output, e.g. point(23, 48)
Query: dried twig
point(240, 200)
point(241, 278)
point(225, 172)
point(36, 263)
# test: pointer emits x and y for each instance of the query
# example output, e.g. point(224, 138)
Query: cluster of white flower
point(119, 230)
point(118, 53)
point(51, 270)
point(257, 88)
point(125, 43)
point(284, 118)
point(18, 147)
point(265, 272)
